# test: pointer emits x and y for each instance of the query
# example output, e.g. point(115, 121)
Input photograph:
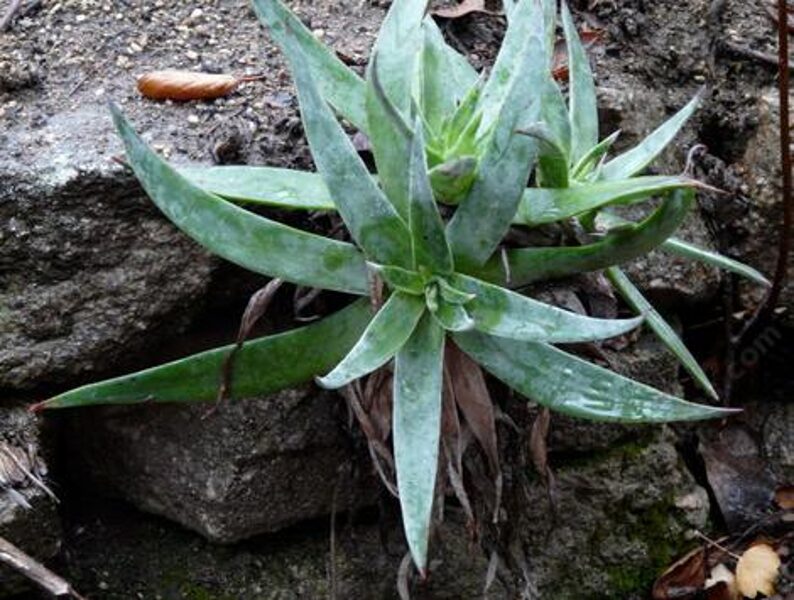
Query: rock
point(759, 226)
point(253, 466)
point(621, 520)
point(116, 554)
point(28, 514)
point(617, 526)
point(92, 272)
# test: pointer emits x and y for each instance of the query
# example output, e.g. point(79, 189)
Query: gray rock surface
point(617, 525)
point(91, 272)
point(28, 515)
point(760, 224)
point(253, 466)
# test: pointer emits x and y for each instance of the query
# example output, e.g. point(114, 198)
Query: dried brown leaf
point(538, 437)
point(186, 85)
point(784, 497)
point(256, 307)
point(466, 7)
point(757, 571)
point(683, 579)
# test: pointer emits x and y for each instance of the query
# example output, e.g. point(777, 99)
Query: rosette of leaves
point(439, 133)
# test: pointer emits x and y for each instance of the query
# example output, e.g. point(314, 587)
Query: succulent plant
point(440, 133)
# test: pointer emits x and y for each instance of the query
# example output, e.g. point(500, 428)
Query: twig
point(5, 22)
point(718, 546)
point(35, 571)
point(769, 59)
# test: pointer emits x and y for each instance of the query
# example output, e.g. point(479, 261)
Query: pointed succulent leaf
point(338, 84)
point(503, 313)
point(519, 267)
point(550, 28)
point(583, 108)
point(660, 327)
point(429, 243)
point(446, 75)
point(693, 252)
point(371, 219)
point(465, 114)
point(453, 317)
point(381, 340)
point(576, 387)
point(484, 216)
point(246, 239)
point(554, 113)
point(416, 431)
point(262, 366)
point(635, 160)
point(525, 24)
point(452, 180)
point(547, 205)
point(593, 157)
point(452, 294)
point(409, 282)
point(271, 186)
point(507, 8)
point(398, 46)
point(390, 136)
point(553, 165)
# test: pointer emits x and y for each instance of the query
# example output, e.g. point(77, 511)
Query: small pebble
point(193, 119)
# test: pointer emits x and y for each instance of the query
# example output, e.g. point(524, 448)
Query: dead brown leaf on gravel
point(466, 7)
point(187, 85)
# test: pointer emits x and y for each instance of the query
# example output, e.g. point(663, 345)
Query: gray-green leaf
point(371, 219)
point(519, 267)
point(583, 108)
point(635, 160)
point(416, 430)
point(384, 336)
point(428, 240)
point(547, 205)
point(503, 313)
point(339, 85)
point(576, 387)
point(246, 239)
point(660, 327)
point(262, 366)
point(271, 186)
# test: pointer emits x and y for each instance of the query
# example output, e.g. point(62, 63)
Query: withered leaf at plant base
point(475, 404)
point(684, 579)
point(757, 571)
point(186, 85)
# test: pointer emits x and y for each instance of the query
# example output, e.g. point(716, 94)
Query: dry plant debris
point(188, 85)
point(757, 571)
